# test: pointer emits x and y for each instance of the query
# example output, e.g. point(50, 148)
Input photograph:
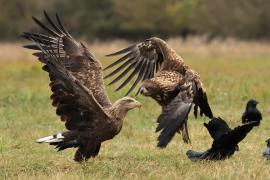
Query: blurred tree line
point(245, 19)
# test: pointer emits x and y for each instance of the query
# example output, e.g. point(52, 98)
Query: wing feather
point(72, 54)
point(77, 104)
point(217, 127)
point(136, 69)
point(146, 51)
point(139, 77)
point(174, 117)
point(240, 132)
point(120, 68)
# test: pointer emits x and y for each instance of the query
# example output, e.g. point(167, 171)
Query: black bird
point(266, 152)
point(225, 140)
point(252, 113)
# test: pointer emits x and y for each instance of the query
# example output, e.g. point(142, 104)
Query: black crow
point(252, 113)
point(225, 140)
point(266, 152)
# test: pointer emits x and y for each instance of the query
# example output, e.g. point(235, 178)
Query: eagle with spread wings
point(78, 91)
point(166, 79)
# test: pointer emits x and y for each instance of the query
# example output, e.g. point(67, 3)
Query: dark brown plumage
point(78, 92)
point(166, 79)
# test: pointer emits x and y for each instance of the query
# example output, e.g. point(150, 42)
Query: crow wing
point(76, 105)
point(225, 140)
point(142, 59)
point(217, 127)
point(175, 115)
point(233, 137)
point(76, 58)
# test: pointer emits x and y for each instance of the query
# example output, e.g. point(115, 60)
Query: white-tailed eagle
point(166, 79)
point(78, 91)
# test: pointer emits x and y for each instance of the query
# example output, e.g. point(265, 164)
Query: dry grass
point(232, 72)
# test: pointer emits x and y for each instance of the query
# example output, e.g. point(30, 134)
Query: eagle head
point(120, 108)
point(148, 88)
point(127, 103)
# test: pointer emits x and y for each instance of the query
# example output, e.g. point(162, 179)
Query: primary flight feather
point(78, 91)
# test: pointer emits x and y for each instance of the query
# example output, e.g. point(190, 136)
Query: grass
point(232, 72)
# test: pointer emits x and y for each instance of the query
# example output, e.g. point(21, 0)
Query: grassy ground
point(232, 72)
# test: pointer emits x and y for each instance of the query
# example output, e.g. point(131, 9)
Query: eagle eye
point(129, 100)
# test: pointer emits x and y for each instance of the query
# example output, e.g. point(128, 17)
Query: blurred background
point(225, 41)
point(106, 19)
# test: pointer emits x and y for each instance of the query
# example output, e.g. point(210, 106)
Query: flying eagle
point(225, 140)
point(166, 79)
point(78, 91)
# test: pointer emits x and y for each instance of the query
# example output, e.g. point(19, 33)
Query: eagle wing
point(175, 115)
point(76, 58)
point(142, 59)
point(76, 104)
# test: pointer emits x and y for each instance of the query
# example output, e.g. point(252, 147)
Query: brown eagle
point(78, 92)
point(166, 79)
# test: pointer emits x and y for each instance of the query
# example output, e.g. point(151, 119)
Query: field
point(232, 73)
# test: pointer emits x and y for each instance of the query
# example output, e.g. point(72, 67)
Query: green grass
point(230, 78)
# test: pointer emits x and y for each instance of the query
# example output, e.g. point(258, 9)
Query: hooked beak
point(143, 90)
point(137, 104)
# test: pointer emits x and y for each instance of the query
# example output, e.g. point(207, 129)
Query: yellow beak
point(137, 104)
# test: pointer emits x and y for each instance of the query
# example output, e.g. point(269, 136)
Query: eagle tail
point(51, 139)
point(61, 141)
point(87, 151)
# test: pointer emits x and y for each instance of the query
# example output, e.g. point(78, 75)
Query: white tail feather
point(51, 139)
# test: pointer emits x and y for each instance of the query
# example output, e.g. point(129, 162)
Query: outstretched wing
point(233, 137)
point(240, 132)
point(142, 59)
point(217, 127)
point(174, 116)
point(76, 104)
point(73, 55)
